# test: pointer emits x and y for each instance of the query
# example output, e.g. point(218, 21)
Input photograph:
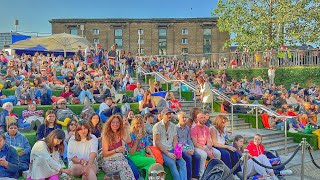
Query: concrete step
point(235, 120)
point(276, 142)
point(238, 126)
point(281, 150)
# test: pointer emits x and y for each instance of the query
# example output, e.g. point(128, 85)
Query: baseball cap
point(166, 110)
point(156, 167)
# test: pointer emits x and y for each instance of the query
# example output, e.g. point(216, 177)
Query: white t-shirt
point(82, 149)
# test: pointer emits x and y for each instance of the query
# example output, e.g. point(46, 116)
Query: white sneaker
point(18, 103)
point(274, 177)
point(235, 177)
point(292, 130)
point(34, 102)
point(299, 129)
point(286, 172)
point(93, 101)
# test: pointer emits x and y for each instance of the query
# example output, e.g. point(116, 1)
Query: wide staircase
point(272, 140)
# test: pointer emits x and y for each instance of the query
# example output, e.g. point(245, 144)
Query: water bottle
point(1, 93)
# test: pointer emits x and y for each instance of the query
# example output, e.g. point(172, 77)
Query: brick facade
point(130, 27)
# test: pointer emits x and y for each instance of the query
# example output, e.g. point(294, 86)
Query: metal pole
point(257, 129)
point(195, 98)
point(245, 164)
point(232, 118)
point(285, 137)
point(180, 90)
point(303, 155)
point(145, 79)
point(167, 86)
point(137, 74)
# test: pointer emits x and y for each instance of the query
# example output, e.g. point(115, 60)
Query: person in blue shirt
point(8, 159)
point(21, 144)
point(48, 126)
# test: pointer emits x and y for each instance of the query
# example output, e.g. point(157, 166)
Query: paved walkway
point(311, 172)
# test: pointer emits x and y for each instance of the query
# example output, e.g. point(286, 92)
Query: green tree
point(264, 24)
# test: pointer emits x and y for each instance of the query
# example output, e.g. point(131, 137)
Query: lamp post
point(139, 43)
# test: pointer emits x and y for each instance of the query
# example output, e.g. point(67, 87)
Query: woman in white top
point(82, 152)
point(218, 132)
point(45, 159)
point(206, 93)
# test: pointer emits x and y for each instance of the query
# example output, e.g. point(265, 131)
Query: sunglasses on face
point(62, 103)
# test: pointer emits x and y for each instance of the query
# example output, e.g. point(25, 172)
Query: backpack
point(45, 99)
point(217, 170)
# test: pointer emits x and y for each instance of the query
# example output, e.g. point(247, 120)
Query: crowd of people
point(119, 141)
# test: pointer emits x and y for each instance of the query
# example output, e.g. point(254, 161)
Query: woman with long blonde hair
point(139, 146)
point(113, 140)
point(218, 133)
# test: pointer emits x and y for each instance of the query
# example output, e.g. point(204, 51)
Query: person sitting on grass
point(63, 113)
point(109, 107)
point(33, 116)
point(25, 93)
point(45, 157)
point(48, 126)
point(139, 146)
point(9, 160)
point(82, 152)
point(17, 140)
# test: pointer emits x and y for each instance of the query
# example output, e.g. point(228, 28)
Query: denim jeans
point(134, 168)
point(177, 167)
point(83, 94)
point(229, 158)
point(11, 99)
point(38, 93)
point(193, 164)
point(289, 121)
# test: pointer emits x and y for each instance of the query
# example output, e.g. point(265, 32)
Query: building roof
point(125, 20)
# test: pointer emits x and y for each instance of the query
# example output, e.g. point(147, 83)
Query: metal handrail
point(157, 74)
point(256, 106)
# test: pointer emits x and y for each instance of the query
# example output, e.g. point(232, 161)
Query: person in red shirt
point(256, 150)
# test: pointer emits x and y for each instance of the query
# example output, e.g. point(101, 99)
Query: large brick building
point(163, 36)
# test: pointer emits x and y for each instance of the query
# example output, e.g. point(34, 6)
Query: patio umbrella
point(63, 41)
point(28, 43)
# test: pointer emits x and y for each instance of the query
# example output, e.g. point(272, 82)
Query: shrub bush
point(286, 75)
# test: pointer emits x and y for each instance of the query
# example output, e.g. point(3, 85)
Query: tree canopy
point(265, 24)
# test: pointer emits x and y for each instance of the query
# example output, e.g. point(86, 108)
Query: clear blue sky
point(34, 15)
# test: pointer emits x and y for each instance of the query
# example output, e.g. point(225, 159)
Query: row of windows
point(5, 42)
point(162, 31)
point(162, 42)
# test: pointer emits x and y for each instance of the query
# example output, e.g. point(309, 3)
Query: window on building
point(185, 50)
point(118, 38)
point(162, 41)
point(163, 32)
point(7, 43)
point(96, 41)
point(140, 31)
point(74, 30)
point(1, 38)
point(184, 41)
point(1, 42)
point(207, 32)
point(184, 31)
point(206, 40)
point(141, 51)
point(118, 32)
point(96, 31)
point(119, 43)
point(141, 41)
